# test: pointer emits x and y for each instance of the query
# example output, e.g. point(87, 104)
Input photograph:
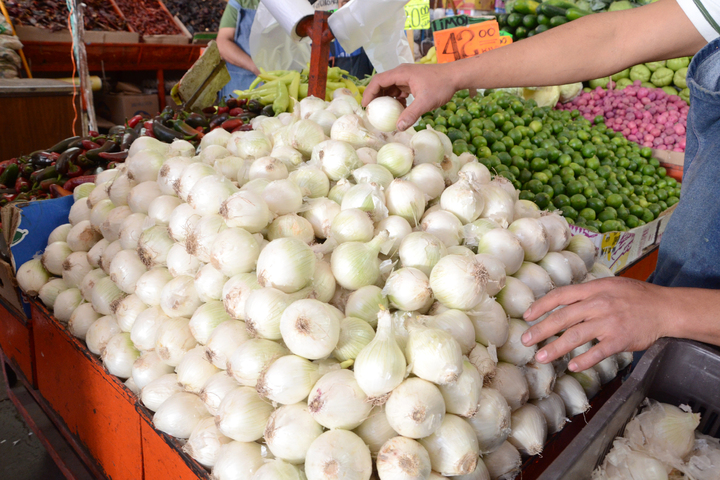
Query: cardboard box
point(617, 250)
point(26, 228)
point(37, 34)
point(166, 39)
point(119, 107)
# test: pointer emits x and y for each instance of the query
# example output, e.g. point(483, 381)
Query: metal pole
point(89, 122)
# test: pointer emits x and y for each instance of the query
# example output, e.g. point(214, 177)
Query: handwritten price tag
point(505, 40)
point(417, 15)
point(463, 42)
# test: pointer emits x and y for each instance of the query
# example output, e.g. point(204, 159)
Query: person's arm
point(232, 53)
point(594, 46)
point(624, 315)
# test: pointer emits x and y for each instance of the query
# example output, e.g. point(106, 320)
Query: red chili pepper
point(58, 191)
point(134, 121)
point(74, 171)
point(245, 128)
point(149, 133)
point(8, 197)
point(242, 102)
point(101, 141)
point(93, 133)
point(231, 124)
point(222, 110)
point(74, 182)
point(235, 112)
point(7, 163)
point(22, 185)
point(89, 145)
point(238, 129)
point(148, 125)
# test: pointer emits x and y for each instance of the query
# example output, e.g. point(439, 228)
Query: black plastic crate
point(671, 371)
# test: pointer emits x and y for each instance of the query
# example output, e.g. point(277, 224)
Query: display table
point(112, 432)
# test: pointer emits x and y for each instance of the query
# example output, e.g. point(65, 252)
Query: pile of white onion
point(302, 306)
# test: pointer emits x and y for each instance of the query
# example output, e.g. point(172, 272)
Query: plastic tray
point(672, 371)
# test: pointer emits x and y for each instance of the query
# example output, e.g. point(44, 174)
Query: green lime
point(596, 204)
point(530, 21)
point(578, 201)
point(647, 215)
point(610, 226)
point(615, 200)
point(655, 209)
point(569, 212)
point(631, 221)
point(561, 201)
point(588, 214)
point(672, 200)
point(608, 214)
point(534, 185)
point(542, 200)
point(573, 188)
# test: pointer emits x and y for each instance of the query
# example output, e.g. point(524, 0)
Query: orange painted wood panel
point(98, 411)
point(162, 457)
point(642, 269)
point(16, 342)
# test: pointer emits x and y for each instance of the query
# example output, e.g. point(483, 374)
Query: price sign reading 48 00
point(463, 42)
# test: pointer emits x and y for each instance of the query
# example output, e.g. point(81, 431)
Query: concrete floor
point(22, 456)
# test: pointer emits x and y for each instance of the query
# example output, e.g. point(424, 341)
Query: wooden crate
point(16, 341)
point(163, 456)
point(96, 410)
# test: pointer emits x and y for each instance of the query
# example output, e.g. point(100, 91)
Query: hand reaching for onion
point(430, 87)
point(622, 314)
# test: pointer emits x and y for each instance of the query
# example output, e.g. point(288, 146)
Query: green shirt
point(229, 18)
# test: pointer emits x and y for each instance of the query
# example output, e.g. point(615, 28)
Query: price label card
point(505, 40)
point(417, 15)
point(464, 42)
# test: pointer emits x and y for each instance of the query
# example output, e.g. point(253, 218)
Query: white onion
point(179, 262)
point(338, 454)
point(513, 351)
point(49, 292)
point(148, 368)
point(510, 382)
point(368, 198)
point(180, 414)
point(81, 319)
point(209, 283)
point(127, 310)
point(60, 233)
point(205, 442)
point(117, 190)
point(209, 154)
point(310, 328)
point(572, 395)
point(181, 148)
point(142, 195)
point(584, 248)
point(303, 135)
point(367, 155)
point(125, 270)
point(422, 251)
point(529, 429)
point(243, 415)
point(95, 253)
point(499, 204)
point(337, 401)
point(194, 370)
point(558, 231)
point(145, 327)
point(149, 286)
point(553, 409)
point(219, 136)
point(383, 113)
point(540, 378)
point(231, 167)
point(444, 225)
point(206, 318)
point(283, 196)
point(504, 462)
point(247, 210)
point(132, 227)
point(453, 448)
point(54, 256)
point(170, 174)
point(415, 409)
point(182, 221)
point(405, 199)
point(79, 211)
point(462, 200)
point(458, 281)
point(433, 354)
point(311, 180)
point(558, 267)
point(351, 129)
point(291, 225)
point(162, 207)
point(396, 157)
point(119, 355)
point(224, 340)
point(337, 159)
point(100, 333)
point(536, 278)
point(577, 266)
point(428, 177)
point(323, 284)
point(532, 236)
point(235, 293)
point(156, 392)
point(526, 209)
point(286, 264)
point(199, 241)
point(515, 297)
point(290, 431)
point(238, 460)
point(173, 340)
point(505, 246)
point(402, 458)
point(215, 389)
point(352, 225)
point(249, 360)
point(82, 237)
point(491, 421)
point(320, 214)
point(190, 176)
point(373, 173)
point(74, 268)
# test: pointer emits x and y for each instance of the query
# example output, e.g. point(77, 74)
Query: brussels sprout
point(670, 90)
point(622, 83)
point(685, 94)
point(624, 74)
point(679, 79)
point(599, 82)
point(676, 64)
point(640, 72)
point(655, 65)
point(662, 77)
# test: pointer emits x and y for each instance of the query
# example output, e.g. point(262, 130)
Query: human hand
point(624, 315)
point(431, 85)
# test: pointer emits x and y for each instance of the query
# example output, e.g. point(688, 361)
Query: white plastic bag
point(271, 46)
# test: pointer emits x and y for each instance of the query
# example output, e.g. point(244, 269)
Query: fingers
point(556, 322)
point(595, 355)
point(389, 83)
point(410, 115)
point(562, 296)
point(571, 339)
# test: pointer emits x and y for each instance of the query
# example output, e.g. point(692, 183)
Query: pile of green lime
point(559, 160)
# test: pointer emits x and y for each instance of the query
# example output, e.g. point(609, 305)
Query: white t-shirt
point(705, 15)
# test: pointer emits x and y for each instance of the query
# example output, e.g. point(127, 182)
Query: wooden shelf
point(55, 56)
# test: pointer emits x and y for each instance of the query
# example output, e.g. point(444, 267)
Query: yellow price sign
point(417, 15)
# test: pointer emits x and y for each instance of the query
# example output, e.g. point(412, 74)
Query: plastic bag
point(377, 26)
point(10, 41)
point(271, 47)
point(10, 57)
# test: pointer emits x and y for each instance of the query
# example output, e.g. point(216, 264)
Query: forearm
point(591, 47)
point(695, 314)
point(232, 53)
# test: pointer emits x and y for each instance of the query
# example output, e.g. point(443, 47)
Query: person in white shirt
point(683, 295)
